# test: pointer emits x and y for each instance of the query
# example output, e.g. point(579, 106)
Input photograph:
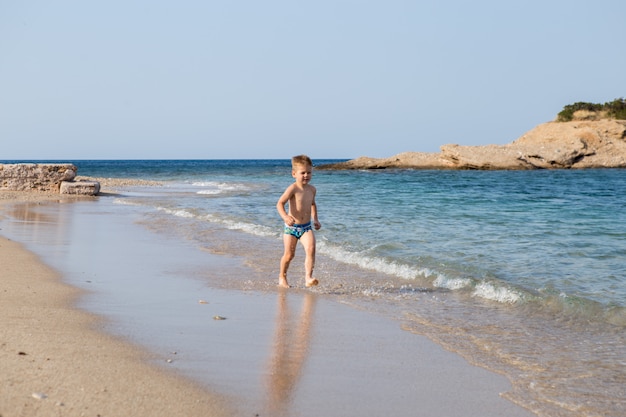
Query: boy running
point(299, 220)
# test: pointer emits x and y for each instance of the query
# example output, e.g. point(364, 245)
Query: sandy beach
point(280, 353)
point(54, 361)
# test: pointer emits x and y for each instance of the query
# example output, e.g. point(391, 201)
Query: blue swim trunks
point(297, 230)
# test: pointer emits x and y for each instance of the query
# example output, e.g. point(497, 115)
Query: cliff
point(554, 145)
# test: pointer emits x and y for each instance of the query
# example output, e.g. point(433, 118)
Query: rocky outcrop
point(44, 178)
point(35, 177)
point(418, 160)
point(554, 145)
point(577, 144)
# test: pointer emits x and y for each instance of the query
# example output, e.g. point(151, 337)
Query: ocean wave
point(178, 212)
point(209, 192)
point(373, 263)
point(251, 228)
point(215, 187)
point(451, 283)
point(126, 202)
point(495, 292)
point(570, 306)
point(492, 291)
point(486, 290)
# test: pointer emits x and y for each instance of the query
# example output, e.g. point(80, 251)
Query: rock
point(80, 187)
point(35, 177)
point(554, 145)
point(422, 160)
point(39, 396)
point(45, 178)
point(481, 157)
point(580, 144)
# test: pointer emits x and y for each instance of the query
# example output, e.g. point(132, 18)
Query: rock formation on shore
point(45, 178)
point(553, 145)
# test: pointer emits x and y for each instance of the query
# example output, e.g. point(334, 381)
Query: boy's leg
point(308, 242)
point(289, 242)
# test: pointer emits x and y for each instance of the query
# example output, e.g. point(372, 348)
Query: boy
point(298, 221)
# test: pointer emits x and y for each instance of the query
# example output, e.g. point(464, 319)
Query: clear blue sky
point(269, 79)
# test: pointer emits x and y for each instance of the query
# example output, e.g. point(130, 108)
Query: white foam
point(214, 187)
point(370, 292)
point(484, 290)
point(253, 229)
point(500, 294)
point(205, 184)
point(177, 212)
point(125, 202)
point(183, 213)
point(451, 283)
point(373, 263)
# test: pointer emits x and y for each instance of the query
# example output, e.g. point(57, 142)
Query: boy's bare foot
point(282, 282)
point(311, 282)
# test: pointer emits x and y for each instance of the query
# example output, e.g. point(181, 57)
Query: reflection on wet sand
point(38, 219)
point(290, 350)
point(26, 212)
point(51, 220)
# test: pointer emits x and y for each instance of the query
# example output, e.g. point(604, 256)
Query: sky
point(238, 79)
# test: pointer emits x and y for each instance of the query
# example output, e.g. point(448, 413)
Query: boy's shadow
point(290, 350)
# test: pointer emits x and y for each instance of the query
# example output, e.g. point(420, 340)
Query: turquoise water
point(529, 234)
point(521, 272)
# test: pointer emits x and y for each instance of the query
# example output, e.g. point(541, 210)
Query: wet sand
point(53, 361)
point(278, 353)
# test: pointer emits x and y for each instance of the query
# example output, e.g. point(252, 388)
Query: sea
point(520, 272)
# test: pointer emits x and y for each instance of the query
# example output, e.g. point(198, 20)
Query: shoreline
point(56, 361)
point(60, 362)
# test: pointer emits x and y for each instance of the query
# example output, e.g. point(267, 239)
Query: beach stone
point(80, 187)
point(35, 177)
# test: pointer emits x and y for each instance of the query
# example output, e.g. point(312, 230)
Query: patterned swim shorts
point(297, 230)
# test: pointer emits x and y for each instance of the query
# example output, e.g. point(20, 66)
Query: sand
point(314, 357)
point(53, 362)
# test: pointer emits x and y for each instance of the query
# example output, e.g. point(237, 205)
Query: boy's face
point(302, 173)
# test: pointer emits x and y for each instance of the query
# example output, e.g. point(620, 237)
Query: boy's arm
point(316, 222)
point(280, 206)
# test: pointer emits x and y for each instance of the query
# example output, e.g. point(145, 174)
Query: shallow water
point(279, 352)
point(519, 272)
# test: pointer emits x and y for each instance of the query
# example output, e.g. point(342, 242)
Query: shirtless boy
point(299, 220)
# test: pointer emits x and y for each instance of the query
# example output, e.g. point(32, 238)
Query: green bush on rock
point(615, 109)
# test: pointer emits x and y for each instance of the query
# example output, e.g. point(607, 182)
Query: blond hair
point(301, 160)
